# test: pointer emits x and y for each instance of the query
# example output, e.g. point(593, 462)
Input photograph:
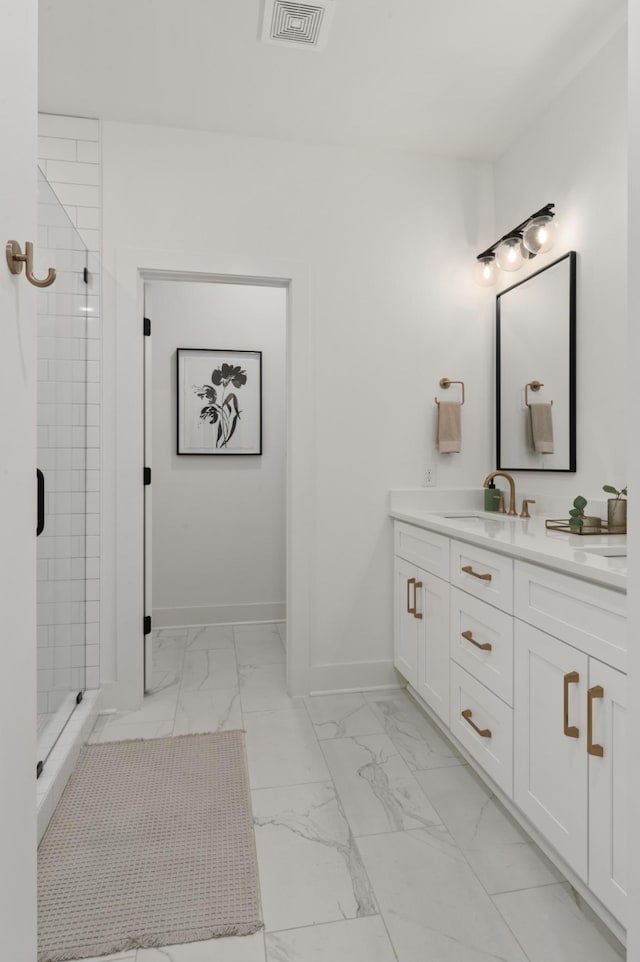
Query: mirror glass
point(535, 370)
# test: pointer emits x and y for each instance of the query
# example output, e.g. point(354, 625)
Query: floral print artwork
point(222, 407)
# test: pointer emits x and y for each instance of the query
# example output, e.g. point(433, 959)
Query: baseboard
point(218, 614)
point(61, 762)
point(353, 676)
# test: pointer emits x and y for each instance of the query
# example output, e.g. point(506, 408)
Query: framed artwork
point(219, 401)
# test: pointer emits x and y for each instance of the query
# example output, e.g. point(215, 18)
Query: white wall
point(18, 106)
point(218, 521)
point(389, 238)
point(576, 156)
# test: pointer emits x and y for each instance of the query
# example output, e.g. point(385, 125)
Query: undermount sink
point(608, 551)
point(470, 516)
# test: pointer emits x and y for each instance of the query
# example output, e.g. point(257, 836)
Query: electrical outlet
point(428, 477)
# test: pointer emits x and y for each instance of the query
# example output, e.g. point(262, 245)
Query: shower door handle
point(40, 522)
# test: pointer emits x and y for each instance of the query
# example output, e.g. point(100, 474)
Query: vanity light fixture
point(535, 235)
point(509, 253)
point(486, 270)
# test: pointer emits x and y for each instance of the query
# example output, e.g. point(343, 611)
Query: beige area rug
point(152, 844)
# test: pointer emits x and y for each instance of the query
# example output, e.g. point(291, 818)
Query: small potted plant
point(616, 509)
point(577, 518)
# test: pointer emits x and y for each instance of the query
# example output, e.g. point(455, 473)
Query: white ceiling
point(457, 77)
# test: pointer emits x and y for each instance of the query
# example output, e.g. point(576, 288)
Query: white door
point(18, 171)
point(608, 771)
point(148, 527)
point(407, 628)
point(433, 651)
point(550, 739)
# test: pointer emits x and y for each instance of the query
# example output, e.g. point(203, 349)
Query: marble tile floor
point(375, 841)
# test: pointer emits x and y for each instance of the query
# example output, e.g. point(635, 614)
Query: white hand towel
point(449, 430)
point(542, 427)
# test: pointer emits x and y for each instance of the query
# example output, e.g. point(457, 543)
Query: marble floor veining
point(375, 841)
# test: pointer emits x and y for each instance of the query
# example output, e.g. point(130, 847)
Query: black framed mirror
point(536, 370)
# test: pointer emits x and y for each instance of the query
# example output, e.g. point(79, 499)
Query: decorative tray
point(562, 524)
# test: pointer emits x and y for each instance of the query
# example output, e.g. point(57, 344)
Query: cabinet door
point(407, 626)
point(550, 741)
point(608, 815)
point(433, 647)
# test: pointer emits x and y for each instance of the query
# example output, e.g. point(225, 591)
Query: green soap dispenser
point(491, 497)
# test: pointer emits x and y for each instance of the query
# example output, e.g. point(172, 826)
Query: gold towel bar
point(535, 386)
point(446, 383)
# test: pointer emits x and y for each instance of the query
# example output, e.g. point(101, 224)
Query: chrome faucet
point(512, 489)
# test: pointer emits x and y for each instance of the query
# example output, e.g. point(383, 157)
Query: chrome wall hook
point(15, 260)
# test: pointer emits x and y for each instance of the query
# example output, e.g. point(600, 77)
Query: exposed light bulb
point(509, 254)
point(540, 235)
point(485, 272)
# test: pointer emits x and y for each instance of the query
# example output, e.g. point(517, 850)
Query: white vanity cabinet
point(481, 651)
point(570, 724)
point(526, 666)
point(421, 637)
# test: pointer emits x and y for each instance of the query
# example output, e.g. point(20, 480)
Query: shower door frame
point(123, 497)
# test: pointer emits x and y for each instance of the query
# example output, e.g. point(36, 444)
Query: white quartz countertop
point(598, 558)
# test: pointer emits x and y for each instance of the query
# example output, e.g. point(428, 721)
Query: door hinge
point(147, 624)
point(147, 327)
point(79, 698)
point(85, 274)
point(39, 768)
point(147, 476)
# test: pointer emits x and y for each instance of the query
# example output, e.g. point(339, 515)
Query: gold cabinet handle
point(484, 732)
point(416, 614)
point(410, 610)
point(571, 678)
point(469, 571)
point(469, 636)
point(596, 692)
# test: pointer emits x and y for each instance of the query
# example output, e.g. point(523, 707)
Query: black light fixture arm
point(517, 231)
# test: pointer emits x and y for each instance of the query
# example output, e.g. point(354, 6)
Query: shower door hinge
point(78, 698)
point(147, 476)
point(147, 326)
point(85, 274)
point(147, 624)
point(39, 768)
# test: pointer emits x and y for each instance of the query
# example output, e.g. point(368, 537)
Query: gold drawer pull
point(416, 613)
point(572, 678)
point(410, 610)
point(469, 571)
point(596, 692)
point(469, 636)
point(485, 732)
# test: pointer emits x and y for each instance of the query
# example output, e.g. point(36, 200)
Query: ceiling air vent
point(297, 24)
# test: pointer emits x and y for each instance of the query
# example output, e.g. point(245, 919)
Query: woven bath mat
point(152, 844)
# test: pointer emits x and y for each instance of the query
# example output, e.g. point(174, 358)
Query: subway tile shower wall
point(70, 371)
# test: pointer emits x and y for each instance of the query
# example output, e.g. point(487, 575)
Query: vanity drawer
point(423, 548)
point(482, 573)
point(588, 616)
point(493, 749)
point(487, 650)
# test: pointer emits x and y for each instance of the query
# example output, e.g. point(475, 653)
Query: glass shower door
point(62, 464)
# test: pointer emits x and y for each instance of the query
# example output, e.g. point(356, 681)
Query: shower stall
point(63, 335)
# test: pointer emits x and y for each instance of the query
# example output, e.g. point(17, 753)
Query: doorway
point(215, 504)
point(122, 614)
